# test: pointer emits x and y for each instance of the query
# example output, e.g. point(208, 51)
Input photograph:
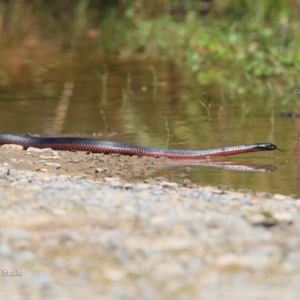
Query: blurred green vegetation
point(227, 42)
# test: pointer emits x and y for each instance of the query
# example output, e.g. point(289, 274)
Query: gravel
point(72, 237)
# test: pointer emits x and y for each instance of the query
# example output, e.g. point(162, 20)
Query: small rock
point(168, 184)
point(260, 219)
point(128, 186)
point(283, 217)
point(5, 249)
point(142, 186)
point(53, 165)
point(33, 149)
point(42, 161)
point(12, 147)
point(297, 203)
point(55, 156)
point(113, 181)
point(4, 171)
point(114, 274)
point(245, 201)
point(279, 197)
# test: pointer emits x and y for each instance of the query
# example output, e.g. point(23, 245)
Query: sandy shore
point(75, 226)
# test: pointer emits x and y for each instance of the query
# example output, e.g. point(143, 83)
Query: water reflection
point(226, 165)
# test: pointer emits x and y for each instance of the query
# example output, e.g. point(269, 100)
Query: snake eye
point(271, 147)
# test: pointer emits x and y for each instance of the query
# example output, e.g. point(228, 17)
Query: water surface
point(155, 104)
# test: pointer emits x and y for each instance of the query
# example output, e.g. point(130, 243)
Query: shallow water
point(156, 104)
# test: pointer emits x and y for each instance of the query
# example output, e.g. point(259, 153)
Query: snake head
point(267, 146)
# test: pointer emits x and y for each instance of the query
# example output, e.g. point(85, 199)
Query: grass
point(238, 44)
point(252, 41)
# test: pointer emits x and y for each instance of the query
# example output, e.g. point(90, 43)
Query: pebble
point(100, 170)
point(5, 249)
point(141, 186)
point(259, 219)
point(42, 161)
point(279, 197)
point(33, 149)
point(54, 157)
point(12, 147)
point(111, 239)
point(167, 184)
point(4, 171)
point(283, 217)
point(53, 165)
point(243, 261)
point(114, 182)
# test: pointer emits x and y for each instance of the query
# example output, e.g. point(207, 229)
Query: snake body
point(100, 146)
